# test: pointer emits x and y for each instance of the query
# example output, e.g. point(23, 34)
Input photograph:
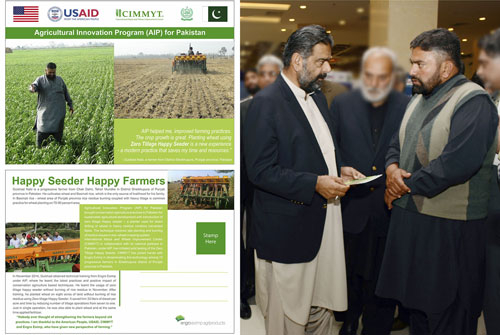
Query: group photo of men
point(370, 195)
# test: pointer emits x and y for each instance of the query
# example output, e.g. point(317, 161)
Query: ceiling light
point(303, 7)
point(482, 19)
point(464, 40)
point(342, 22)
point(360, 10)
point(291, 20)
point(450, 29)
point(462, 53)
point(260, 19)
point(328, 31)
point(265, 6)
point(283, 29)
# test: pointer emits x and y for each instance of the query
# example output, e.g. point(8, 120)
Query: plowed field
point(147, 88)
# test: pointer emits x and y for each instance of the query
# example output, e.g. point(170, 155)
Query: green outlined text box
point(174, 141)
point(123, 237)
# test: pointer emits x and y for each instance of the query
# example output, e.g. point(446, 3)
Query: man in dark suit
point(296, 222)
point(364, 122)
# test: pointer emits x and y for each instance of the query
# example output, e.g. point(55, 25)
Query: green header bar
point(119, 33)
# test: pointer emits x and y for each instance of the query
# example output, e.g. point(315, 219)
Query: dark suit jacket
point(352, 129)
point(283, 162)
point(246, 188)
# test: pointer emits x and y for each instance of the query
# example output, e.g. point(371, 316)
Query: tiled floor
point(255, 325)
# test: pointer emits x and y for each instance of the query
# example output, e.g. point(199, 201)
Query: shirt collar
point(297, 91)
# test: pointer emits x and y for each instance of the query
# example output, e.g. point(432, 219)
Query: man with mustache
point(51, 105)
point(438, 180)
point(489, 72)
point(296, 222)
point(364, 122)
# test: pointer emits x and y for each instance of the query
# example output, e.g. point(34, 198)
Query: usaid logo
point(55, 14)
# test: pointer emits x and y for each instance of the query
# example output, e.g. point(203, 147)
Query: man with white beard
point(364, 122)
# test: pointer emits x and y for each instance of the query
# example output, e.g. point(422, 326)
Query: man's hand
point(32, 88)
point(350, 173)
point(395, 184)
point(71, 111)
point(389, 198)
point(331, 187)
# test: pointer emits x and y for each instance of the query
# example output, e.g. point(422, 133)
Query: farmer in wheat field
point(51, 105)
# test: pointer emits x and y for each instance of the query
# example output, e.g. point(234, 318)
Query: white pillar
point(395, 23)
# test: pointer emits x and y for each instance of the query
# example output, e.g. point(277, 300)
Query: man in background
point(23, 239)
point(51, 105)
point(57, 237)
point(364, 122)
point(400, 76)
point(438, 180)
point(14, 241)
point(30, 242)
point(250, 81)
point(268, 69)
point(489, 72)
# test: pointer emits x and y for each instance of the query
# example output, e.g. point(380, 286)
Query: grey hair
point(270, 59)
point(382, 50)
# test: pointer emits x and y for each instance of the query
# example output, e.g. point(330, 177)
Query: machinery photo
point(190, 62)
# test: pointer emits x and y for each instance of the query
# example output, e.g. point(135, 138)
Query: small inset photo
point(42, 247)
point(174, 79)
point(201, 189)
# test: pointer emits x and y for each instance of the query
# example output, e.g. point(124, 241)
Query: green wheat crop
point(88, 134)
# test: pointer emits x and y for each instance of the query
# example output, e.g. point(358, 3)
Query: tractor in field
point(205, 190)
point(190, 62)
